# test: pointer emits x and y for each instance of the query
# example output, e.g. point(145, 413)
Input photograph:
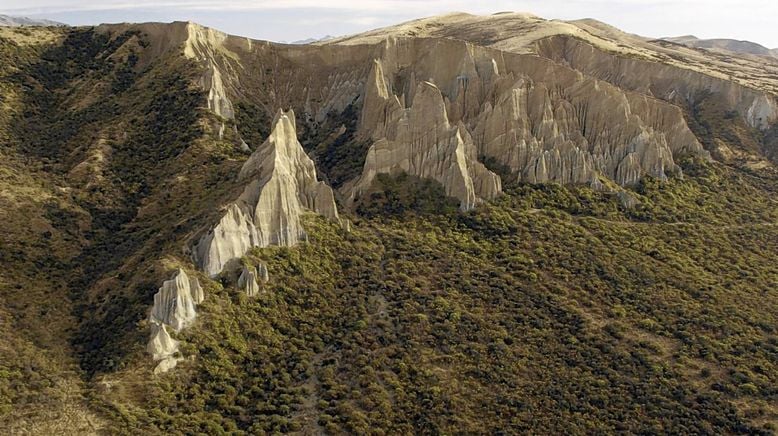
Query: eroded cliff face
point(422, 142)
point(745, 86)
point(552, 101)
point(577, 131)
point(544, 122)
point(281, 187)
point(541, 119)
point(175, 302)
point(654, 67)
point(668, 82)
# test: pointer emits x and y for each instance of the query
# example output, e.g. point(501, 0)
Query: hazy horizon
point(301, 19)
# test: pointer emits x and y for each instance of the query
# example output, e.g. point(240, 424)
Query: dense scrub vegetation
point(401, 195)
point(725, 133)
point(253, 123)
point(550, 308)
point(111, 128)
point(43, 230)
point(335, 147)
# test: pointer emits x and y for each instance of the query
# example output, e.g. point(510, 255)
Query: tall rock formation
point(206, 46)
point(263, 273)
point(248, 281)
point(174, 308)
point(420, 141)
point(281, 187)
point(161, 346)
point(175, 302)
point(218, 102)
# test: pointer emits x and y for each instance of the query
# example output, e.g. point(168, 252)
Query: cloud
point(43, 6)
point(740, 19)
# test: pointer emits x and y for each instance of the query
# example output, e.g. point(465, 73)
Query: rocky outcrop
point(218, 102)
point(161, 346)
point(232, 237)
point(572, 135)
point(263, 273)
point(203, 45)
point(655, 68)
point(422, 142)
point(248, 281)
point(281, 187)
point(538, 118)
point(206, 46)
point(174, 308)
point(175, 302)
point(749, 95)
point(763, 112)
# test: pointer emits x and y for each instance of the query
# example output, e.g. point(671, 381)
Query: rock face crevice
point(420, 141)
point(174, 308)
point(281, 187)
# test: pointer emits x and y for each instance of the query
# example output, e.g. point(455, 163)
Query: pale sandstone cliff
point(580, 129)
point(542, 121)
point(751, 99)
point(524, 34)
point(205, 46)
point(281, 187)
point(422, 142)
point(161, 346)
point(174, 308)
point(174, 303)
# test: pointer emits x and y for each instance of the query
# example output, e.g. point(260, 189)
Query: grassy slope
point(43, 230)
point(579, 317)
point(85, 239)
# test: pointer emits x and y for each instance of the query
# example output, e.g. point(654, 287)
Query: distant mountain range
point(312, 40)
point(733, 45)
point(11, 21)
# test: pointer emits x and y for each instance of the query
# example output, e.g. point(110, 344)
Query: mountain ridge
point(592, 266)
point(732, 45)
point(16, 21)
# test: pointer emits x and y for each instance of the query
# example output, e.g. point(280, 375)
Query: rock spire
point(281, 187)
point(174, 308)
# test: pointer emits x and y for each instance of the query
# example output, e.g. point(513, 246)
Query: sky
point(291, 20)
